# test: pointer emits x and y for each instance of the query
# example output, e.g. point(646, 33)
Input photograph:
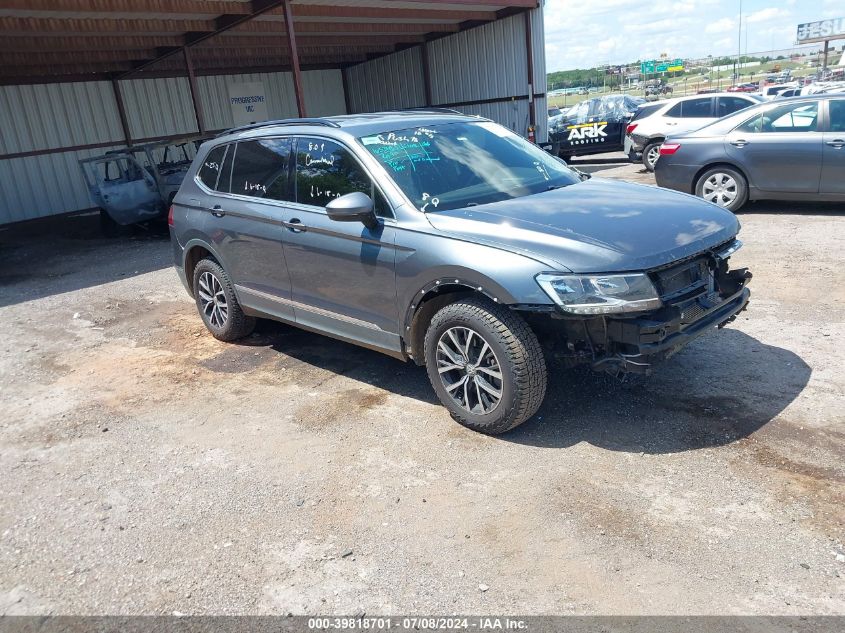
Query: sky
point(588, 33)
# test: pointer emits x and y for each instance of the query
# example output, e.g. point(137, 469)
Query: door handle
point(838, 143)
point(217, 211)
point(740, 142)
point(295, 225)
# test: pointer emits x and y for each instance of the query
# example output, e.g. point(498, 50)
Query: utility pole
point(738, 43)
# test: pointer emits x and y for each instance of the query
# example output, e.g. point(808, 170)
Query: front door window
point(326, 170)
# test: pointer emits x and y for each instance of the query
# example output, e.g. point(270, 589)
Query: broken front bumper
point(641, 342)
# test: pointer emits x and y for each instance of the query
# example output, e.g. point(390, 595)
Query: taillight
point(631, 127)
point(669, 148)
point(170, 216)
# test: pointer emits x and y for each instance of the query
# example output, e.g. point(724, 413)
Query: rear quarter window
point(209, 171)
point(646, 111)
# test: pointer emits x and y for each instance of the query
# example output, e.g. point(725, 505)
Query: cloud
point(583, 34)
point(720, 26)
point(766, 15)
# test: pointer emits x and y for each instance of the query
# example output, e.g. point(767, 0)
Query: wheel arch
point(195, 251)
point(720, 163)
point(435, 295)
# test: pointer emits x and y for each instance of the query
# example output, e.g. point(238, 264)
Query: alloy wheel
point(469, 369)
point(213, 300)
point(653, 155)
point(720, 189)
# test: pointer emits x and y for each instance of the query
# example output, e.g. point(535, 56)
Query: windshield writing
point(461, 164)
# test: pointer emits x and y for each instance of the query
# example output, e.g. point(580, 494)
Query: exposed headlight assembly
point(601, 294)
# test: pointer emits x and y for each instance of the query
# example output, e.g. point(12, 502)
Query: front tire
point(485, 364)
point(650, 155)
point(217, 304)
point(723, 186)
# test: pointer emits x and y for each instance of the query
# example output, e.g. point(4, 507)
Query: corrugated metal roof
point(57, 24)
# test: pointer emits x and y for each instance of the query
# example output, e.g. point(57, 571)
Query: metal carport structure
point(79, 77)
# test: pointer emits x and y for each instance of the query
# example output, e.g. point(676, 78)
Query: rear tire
point(485, 364)
point(217, 304)
point(723, 186)
point(651, 153)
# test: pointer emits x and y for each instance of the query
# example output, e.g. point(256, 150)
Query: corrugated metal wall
point(393, 82)
point(323, 95)
point(48, 116)
point(541, 105)
point(489, 62)
point(57, 115)
point(158, 107)
point(38, 186)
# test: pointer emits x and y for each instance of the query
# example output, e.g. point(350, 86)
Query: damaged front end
point(695, 295)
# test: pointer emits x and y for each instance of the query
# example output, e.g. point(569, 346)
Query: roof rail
point(303, 121)
point(433, 110)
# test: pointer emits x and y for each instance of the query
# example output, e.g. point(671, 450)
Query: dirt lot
point(148, 468)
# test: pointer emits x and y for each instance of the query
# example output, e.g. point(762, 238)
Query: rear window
point(646, 111)
point(211, 166)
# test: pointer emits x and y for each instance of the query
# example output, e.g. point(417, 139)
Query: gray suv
point(450, 241)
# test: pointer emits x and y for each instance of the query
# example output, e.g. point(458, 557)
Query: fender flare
point(189, 246)
point(488, 288)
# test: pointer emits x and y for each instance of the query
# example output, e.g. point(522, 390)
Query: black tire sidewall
point(233, 327)
point(508, 401)
point(741, 183)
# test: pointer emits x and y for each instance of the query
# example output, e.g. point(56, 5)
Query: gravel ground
point(148, 468)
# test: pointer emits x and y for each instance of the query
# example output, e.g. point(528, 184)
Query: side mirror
point(353, 207)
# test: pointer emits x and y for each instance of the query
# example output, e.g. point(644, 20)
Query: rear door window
point(729, 105)
point(261, 169)
point(697, 108)
point(326, 170)
point(211, 166)
point(837, 115)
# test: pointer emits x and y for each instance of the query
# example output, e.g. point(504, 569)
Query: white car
point(771, 92)
point(653, 122)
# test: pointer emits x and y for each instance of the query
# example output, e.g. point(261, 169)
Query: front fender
point(504, 277)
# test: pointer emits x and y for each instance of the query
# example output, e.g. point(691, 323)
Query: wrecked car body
point(138, 183)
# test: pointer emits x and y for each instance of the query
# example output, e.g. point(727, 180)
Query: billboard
point(820, 31)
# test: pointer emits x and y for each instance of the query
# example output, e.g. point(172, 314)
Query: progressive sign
point(821, 30)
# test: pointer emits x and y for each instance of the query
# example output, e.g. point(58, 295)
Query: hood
point(595, 226)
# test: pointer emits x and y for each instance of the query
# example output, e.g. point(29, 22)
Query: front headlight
point(601, 294)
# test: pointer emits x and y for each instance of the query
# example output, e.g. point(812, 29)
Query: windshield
point(454, 165)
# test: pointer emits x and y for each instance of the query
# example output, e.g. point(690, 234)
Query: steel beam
point(121, 111)
point(294, 54)
point(192, 81)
